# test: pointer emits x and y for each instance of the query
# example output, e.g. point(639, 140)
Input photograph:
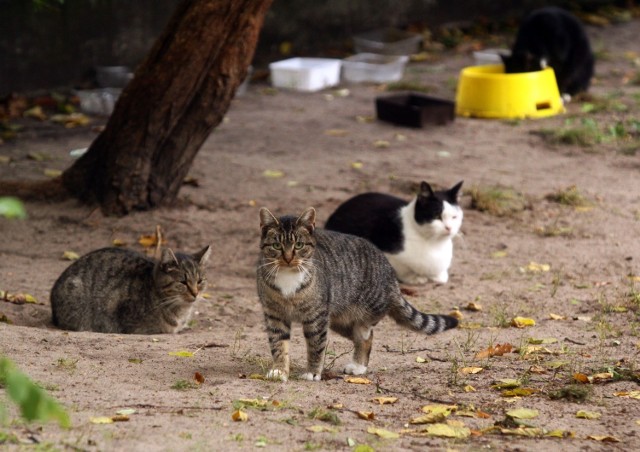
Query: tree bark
point(178, 95)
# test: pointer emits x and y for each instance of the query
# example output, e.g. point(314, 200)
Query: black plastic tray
point(414, 110)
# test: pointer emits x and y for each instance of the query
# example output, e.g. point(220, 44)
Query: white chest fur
point(428, 248)
point(289, 281)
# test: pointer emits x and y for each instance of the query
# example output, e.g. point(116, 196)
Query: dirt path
point(591, 282)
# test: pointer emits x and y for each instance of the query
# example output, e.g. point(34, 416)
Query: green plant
point(497, 200)
point(34, 402)
point(183, 385)
point(12, 208)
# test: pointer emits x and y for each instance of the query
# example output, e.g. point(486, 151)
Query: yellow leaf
point(101, 420)
point(560, 434)
point(499, 254)
point(381, 143)
point(36, 113)
point(49, 172)
point(490, 351)
point(534, 267)
point(523, 431)
point(604, 376)
point(336, 132)
point(420, 359)
point(581, 378)
point(448, 431)
point(457, 314)
point(469, 388)
point(470, 370)
point(506, 383)
point(70, 256)
point(430, 418)
point(518, 392)
point(535, 369)
point(473, 307)
point(126, 412)
point(545, 340)
point(148, 240)
point(362, 119)
point(604, 438)
point(239, 416)
point(553, 316)
point(357, 165)
point(385, 400)
point(182, 354)
point(273, 174)
point(358, 380)
point(439, 408)
point(322, 428)
point(522, 413)
point(366, 415)
point(522, 322)
point(118, 242)
point(628, 394)
point(382, 433)
point(583, 414)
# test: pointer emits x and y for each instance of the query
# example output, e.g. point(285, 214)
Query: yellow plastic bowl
point(487, 92)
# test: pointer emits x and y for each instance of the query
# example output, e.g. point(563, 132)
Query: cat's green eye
point(276, 246)
point(299, 245)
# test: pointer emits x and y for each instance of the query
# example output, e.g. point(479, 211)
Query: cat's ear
point(267, 219)
point(425, 190)
point(307, 219)
point(168, 258)
point(453, 192)
point(202, 256)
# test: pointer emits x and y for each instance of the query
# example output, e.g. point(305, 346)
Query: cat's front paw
point(442, 278)
point(277, 374)
point(310, 376)
point(355, 369)
point(414, 279)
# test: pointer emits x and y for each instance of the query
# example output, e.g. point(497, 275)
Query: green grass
point(569, 196)
point(497, 200)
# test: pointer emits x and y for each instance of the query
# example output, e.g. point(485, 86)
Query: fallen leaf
point(518, 392)
point(50, 172)
point(420, 359)
point(273, 174)
point(583, 414)
point(604, 438)
point(362, 119)
point(506, 383)
point(357, 165)
point(490, 351)
point(118, 242)
point(120, 418)
point(448, 431)
point(35, 113)
point(522, 322)
point(358, 380)
point(601, 377)
point(366, 415)
point(628, 394)
point(470, 370)
point(457, 314)
point(322, 428)
point(522, 413)
point(534, 267)
point(198, 378)
point(475, 307)
point(498, 254)
point(135, 360)
point(239, 416)
point(469, 388)
point(101, 420)
point(553, 316)
point(382, 433)
point(523, 431)
point(125, 412)
point(546, 340)
point(182, 354)
point(535, 369)
point(70, 256)
point(385, 400)
point(381, 144)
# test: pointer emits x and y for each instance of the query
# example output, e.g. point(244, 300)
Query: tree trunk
point(178, 95)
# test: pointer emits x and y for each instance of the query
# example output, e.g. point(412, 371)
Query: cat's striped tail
point(408, 316)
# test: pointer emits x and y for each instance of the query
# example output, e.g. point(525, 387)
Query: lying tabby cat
point(115, 290)
point(327, 279)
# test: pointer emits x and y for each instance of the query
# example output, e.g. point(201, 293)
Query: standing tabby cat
point(416, 236)
point(553, 37)
point(114, 290)
point(325, 279)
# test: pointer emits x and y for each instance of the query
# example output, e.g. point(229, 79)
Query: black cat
point(553, 37)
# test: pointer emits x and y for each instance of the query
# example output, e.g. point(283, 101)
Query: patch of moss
point(498, 200)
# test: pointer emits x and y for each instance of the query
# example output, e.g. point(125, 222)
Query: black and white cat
point(553, 37)
point(415, 236)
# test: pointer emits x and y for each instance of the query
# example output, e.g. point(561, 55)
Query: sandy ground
point(592, 255)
